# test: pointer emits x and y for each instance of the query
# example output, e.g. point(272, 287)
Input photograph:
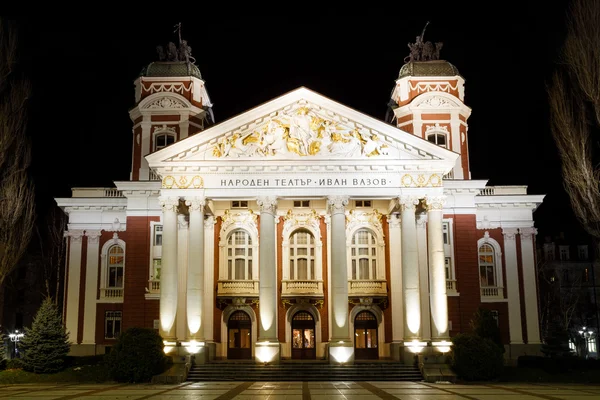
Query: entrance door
point(303, 336)
point(365, 336)
point(239, 336)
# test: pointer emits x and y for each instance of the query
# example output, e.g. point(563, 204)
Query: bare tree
point(574, 97)
point(52, 249)
point(17, 211)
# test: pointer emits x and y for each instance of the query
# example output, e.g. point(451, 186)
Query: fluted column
point(267, 271)
point(410, 269)
point(396, 279)
point(168, 275)
point(73, 283)
point(91, 286)
point(195, 276)
point(424, 288)
point(512, 285)
point(530, 282)
point(437, 268)
point(181, 329)
point(209, 276)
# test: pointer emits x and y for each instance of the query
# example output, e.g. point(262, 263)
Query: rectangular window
point(564, 253)
point(112, 324)
point(158, 235)
point(496, 317)
point(301, 203)
point(446, 232)
point(239, 204)
point(362, 203)
point(582, 253)
point(448, 265)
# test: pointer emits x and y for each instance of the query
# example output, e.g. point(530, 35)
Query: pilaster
point(74, 276)
point(91, 286)
point(512, 286)
point(530, 282)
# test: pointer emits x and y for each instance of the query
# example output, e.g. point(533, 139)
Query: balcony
point(153, 286)
point(302, 288)
point(111, 294)
point(358, 288)
point(237, 288)
point(96, 192)
point(492, 293)
point(451, 287)
point(503, 190)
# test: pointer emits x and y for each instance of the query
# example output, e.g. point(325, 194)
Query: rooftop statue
point(423, 51)
point(181, 52)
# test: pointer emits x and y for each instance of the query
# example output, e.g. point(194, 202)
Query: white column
point(437, 268)
point(267, 272)
point(339, 269)
point(73, 282)
point(530, 282)
point(182, 276)
point(512, 285)
point(209, 277)
point(396, 278)
point(168, 274)
point(195, 278)
point(410, 269)
point(91, 287)
point(424, 286)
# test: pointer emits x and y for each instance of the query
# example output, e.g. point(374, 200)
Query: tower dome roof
point(171, 68)
point(428, 68)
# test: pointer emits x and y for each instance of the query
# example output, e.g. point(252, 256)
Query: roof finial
point(423, 51)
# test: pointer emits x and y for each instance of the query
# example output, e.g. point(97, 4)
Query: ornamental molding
point(436, 101)
point(421, 221)
point(436, 128)
point(371, 220)
point(408, 203)
point(433, 87)
point(195, 203)
point(421, 180)
point(182, 182)
point(209, 222)
point(509, 233)
point(93, 236)
point(434, 203)
point(337, 204)
point(76, 235)
point(527, 233)
point(169, 203)
point(302, 130)
point(394, 221)
point(243, 219)
point(164, 128)
point(267, 204)
point(310, 221)
point(165, 103)
point(178, 87)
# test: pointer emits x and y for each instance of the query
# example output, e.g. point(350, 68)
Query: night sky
point(83, 71)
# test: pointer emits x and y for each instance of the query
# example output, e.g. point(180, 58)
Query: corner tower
point(171, 103)
point(428, 101)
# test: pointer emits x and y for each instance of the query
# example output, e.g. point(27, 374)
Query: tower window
point(301, 203)
point(239, 204)
point(362, 203)
point(162, 140)
point(438, 138)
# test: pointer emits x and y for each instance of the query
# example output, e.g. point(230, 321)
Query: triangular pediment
point(305, 127)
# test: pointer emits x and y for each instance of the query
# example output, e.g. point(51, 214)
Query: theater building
point(300, 229)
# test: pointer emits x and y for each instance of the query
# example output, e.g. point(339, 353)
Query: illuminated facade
point(300, 229)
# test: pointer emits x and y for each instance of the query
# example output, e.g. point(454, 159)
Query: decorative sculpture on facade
point(423, 51)
point(301, 132)
point(182, 52)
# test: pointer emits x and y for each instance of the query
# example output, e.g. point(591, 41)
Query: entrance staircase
point(238, 370)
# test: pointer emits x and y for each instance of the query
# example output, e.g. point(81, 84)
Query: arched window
point(115, 267)
point(363, 255)
point(487, 266)
point(438, 138)
point(302, 255)
point(163, 139)
point(239, 255)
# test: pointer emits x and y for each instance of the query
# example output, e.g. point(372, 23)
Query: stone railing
point(451, 286)
point(492, 292)
point(237, 288)
point(292, 288)
point(96, 192)
point(154, 176)
point(502, 190)
point(111, 293)
point(153, 286)
point(367, 288)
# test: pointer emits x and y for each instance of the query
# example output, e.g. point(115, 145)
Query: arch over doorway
point(239, 336)
point(303, 336)
point(366, 346)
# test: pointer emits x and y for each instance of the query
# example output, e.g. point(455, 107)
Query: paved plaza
point(302, 391)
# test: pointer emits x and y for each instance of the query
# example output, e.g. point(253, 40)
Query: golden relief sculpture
point(421, 180)
point(182, 182)
point(302, 133)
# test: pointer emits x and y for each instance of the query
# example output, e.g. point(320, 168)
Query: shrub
point(475, 358)
point(14, 363)
point(46, 345)
point(485, 325)
point(137, 356)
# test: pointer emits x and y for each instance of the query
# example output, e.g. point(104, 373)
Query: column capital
point(75, 235)
point(182, 222)
point(527, 233)
point(267, 204)
point(169, 203)
point(195, 203)
point(210, 222)
point(407, 202)
point(93, 236)
point(421, 221)
point(393, 220)
point(509, 233)
point(337, 203)
point(434, 203)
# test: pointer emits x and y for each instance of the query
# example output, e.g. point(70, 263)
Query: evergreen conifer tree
point(45, 346)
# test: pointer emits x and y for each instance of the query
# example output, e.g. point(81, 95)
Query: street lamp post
point(586, 334)
point(15, 337)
